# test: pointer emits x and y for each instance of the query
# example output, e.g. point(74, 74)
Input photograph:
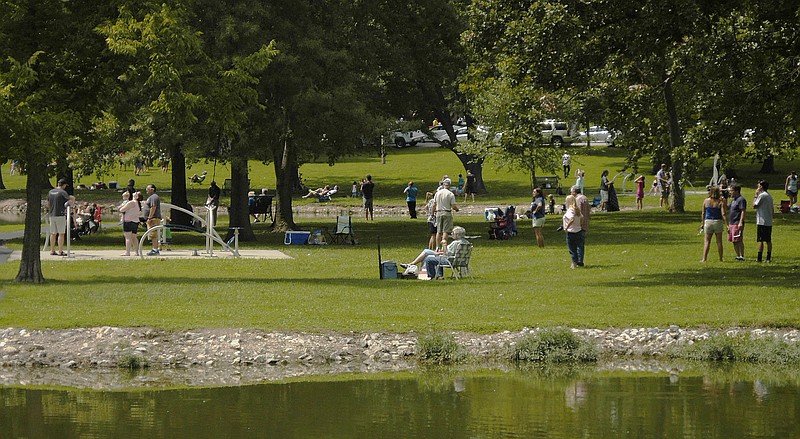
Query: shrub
point(439, 348)
point(132, 362)
point(746, 349)
point(554, 346)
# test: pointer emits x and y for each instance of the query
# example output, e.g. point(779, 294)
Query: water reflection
point(457, 404)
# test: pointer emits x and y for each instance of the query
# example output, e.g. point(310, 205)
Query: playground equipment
point(209, 232)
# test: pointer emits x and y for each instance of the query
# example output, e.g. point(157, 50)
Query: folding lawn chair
point(459, 262)
point(344, 231)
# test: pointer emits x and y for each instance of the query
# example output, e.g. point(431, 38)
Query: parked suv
point(557, 133)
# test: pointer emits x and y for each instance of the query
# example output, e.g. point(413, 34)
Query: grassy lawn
point(642, 268)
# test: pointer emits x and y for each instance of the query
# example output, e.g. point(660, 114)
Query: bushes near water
point(746, 349)
point(132, 362)
point(439, 348)
point(554, 346)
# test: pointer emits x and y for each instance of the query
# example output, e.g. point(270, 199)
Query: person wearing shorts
point(712, 220)
point(444, 202)
point(736, 211)
point(153, 204)
point(791, 188)
point(57, 201)
point(764, 205)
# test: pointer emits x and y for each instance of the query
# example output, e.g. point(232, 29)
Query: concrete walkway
point(102, 255)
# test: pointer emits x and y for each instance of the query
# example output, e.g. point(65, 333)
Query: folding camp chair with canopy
point(343, 234)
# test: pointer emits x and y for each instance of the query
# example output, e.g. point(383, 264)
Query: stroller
point(504, 225)
point(81, 226)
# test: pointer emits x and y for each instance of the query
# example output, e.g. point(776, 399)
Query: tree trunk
point(284, 169)
point(768, 166)
point(469, 161)
point(30, 266)
point(2, 185)
point(238, 210)
point(675, 142)
point(178, 196)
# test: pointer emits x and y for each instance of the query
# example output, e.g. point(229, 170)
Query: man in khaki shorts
point(153, 204)
point(57, 200)
point(444, 203)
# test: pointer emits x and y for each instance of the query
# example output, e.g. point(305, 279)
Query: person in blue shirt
point(411, 199)
point(713, 223)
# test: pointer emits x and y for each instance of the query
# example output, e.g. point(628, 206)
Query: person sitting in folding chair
point(433, 259)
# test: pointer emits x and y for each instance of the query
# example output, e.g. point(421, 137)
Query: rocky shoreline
point(91, 357)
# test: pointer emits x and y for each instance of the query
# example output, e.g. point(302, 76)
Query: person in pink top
point(571, 222)
point(131, 211)
point(639, 192)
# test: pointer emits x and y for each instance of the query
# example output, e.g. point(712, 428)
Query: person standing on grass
point(736, 221)
point(130, 209)
point(537, 215)
point(153, 204)
point(764, 205)
point(566, 163)
point(639, 192)
point(411, 199)
point(604, 189)
point(661, 182)
point(444, 202)
point(579, 179)
point(585, 210)
point(430, 211)
point(791, 188)
point(57, 201)
point(712, 220)
point(571, 223)
point(469, 188)
point(367, 188)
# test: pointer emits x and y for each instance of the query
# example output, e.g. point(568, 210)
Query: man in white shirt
point(444, 203)
point(566, 162)
point(764, 205)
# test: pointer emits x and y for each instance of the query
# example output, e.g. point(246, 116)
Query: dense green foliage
point(745, 349)
point(439, 348)
point(555, 345)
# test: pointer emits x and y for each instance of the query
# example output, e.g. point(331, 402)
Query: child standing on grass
point(639, 192)
point(354, 190)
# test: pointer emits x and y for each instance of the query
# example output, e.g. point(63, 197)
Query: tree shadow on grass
point(368, 282)
point(784, 276)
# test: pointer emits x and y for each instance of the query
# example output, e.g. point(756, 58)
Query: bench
point(262, 205)
point(550, 182)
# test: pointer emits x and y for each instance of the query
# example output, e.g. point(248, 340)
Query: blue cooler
point(296, 237)
point(389, 270)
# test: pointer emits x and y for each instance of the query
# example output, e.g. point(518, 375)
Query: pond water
point(448, 404)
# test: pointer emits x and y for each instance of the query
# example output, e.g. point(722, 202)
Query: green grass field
point(642, 269)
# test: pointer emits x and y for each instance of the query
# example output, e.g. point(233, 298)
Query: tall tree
point(314, 90)
point(419, 58)
point(528, 63)
point(47, 87)
point(163, 83)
